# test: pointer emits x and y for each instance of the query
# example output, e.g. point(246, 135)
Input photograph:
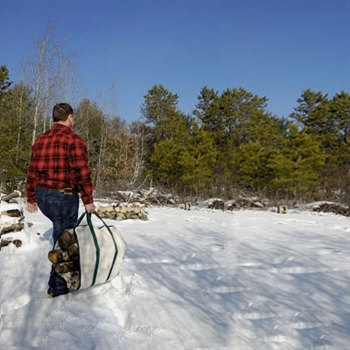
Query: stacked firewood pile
point(244, 203)
point(329, 207)
point(146, 197)
point(238, 203)
point(122, 212)
point(12, 220)
point(65, 259)
point(159, 198)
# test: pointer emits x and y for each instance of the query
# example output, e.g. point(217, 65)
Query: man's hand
point(90, 208)
point(31, 207)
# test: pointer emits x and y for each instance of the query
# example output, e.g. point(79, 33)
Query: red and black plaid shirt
point(59, 159)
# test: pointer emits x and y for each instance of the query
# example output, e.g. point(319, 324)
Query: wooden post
point(187, 206)
point(282, 209)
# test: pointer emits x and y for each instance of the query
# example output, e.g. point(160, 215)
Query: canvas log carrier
point(88, 254)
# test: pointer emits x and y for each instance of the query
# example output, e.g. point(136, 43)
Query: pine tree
point(165, 163)
point(5, 84)
point(207, 112)
point(168, 132)
point(296, 166)
point(14, 132)
point(159, 106)
point(340, 112)
point(328, 121)
point(252, 172)
point(92, 126)
point(197, 160)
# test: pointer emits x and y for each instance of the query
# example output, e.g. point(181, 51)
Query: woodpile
point(147, 197)
point(14, 224)
point(11, 225)
point(217, 204)
point(244, 203)
point(65, 259)
point(336, 208)
point(234, 204)
point(120, 212)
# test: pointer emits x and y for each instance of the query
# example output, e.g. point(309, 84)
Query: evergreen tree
point(207, 113)
point(328, 121)
point(252, 171)
point(226, 118)
point(165, 163)
point(176, 136)
point(168, 131)
point(90, 123)
point(14, 132)
point(197, 160)
point(5, 84)
point(263, 134)
point(340, 112)
point(237, 108)
point(305, 113)
point(159, 106)
point(15, 137)
point(297, 165)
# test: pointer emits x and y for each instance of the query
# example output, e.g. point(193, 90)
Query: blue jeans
point(62, 209)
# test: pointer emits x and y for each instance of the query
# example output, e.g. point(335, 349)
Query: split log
point(13, 213)
point(65, 240)
point(6, 242)
point(57, 256)
point(14, 225)
point(65, 259)
point(119, 213)
point(72, 279)
point(12, 195)
point(65, 267)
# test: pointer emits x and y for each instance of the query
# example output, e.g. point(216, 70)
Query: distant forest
point(230, 145)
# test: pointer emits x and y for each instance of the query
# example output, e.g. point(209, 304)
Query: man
point(58, 171)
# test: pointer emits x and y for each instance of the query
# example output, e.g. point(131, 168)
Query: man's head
point(63, 113)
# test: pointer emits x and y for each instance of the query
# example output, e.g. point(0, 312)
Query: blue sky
point(275, 49)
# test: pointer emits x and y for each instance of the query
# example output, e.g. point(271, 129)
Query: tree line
point(229, 145)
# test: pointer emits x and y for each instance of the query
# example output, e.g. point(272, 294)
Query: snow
point(199, 279)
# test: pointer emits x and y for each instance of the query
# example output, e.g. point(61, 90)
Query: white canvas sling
point(101, 251)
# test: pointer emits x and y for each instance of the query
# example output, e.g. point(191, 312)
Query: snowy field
point(199, 279)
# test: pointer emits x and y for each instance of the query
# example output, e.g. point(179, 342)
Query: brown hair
point(61, 111)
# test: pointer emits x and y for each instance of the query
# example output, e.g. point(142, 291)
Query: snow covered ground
point(199, 279)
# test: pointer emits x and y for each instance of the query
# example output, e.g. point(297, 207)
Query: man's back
point(59, 160)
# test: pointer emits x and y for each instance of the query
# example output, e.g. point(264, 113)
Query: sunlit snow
point(199, 279)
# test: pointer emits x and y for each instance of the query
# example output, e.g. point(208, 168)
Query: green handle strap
point(97, 248)
point(79, 220)
point(115, 246)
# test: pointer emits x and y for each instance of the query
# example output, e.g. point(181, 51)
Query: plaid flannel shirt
point(59, 159)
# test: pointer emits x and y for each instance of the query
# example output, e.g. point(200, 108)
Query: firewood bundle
point(65, 259)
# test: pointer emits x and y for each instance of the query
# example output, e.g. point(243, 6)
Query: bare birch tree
point(109, 105)
point(137, 130)
point(49, 72)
